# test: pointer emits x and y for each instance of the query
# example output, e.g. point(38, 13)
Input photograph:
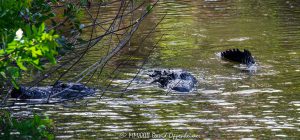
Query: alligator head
point(177, 80)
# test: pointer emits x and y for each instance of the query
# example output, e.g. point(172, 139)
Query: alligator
point(59, 90)
point(236, 55)
point(182, 81)
point(177, 80)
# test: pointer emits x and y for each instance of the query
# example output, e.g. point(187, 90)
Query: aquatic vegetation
point(32, 128)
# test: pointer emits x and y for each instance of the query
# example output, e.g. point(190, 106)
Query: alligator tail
point(236, 55)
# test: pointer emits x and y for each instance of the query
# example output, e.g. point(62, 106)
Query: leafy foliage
point(33, 128)
point(27, 50)
point(20, 51)
point(17, 50)
point(15, 14)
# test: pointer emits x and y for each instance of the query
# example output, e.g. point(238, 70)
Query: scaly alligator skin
point(238, 56)
point(177, 80)
point(59, 90)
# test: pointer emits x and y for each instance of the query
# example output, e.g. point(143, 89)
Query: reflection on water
point(228, 103)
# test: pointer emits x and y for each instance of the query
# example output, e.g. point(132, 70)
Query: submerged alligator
point(182, 81)
point(59, 90)
point(177, 80)
point(236, 55)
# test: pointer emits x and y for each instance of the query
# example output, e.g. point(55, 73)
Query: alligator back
point(59, 90)
point(236, 55)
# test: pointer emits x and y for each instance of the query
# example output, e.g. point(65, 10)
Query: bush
point(24, 38)
point(33, 128)
point(17, 50)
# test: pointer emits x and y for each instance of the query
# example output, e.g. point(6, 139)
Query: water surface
point(228, 103)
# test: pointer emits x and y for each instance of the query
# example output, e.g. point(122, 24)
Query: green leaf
point(35, 52)
point(14, 83)
point(50, 137)
point(36, 66)
point(28, 30)
point(11, 47)
point(149, 7)
point(34, 30)
point(51, 58)
point(13, 71)
point(20, 64)
point(2, 52)
point(36, 61)
point(3, 74)
point(42, 28)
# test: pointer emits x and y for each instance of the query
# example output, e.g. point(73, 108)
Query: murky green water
point(228, 103)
